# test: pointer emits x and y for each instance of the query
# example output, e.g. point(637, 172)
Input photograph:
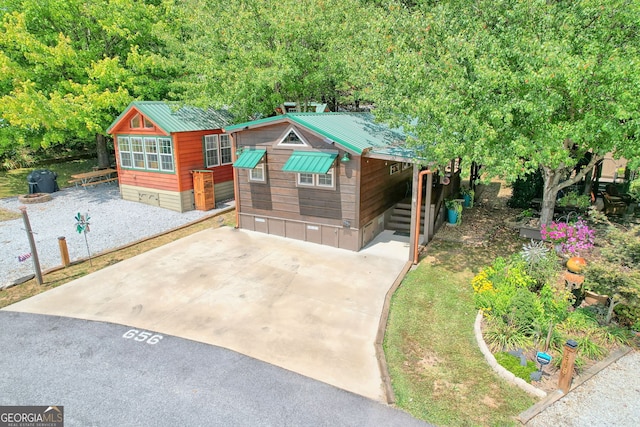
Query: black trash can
point(42, 181)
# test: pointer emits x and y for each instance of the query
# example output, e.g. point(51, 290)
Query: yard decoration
point(454, 211)
point(576, 264)
point(468, 196)
point(82, 227)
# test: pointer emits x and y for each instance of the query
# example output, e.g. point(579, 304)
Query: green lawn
point(14, 182)
point(438, 372)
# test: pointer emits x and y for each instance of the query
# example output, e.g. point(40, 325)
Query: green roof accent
point(249, 159)
point(309, 162)
point(172, 117)
point(357, 132)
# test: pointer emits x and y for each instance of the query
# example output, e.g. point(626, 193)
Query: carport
point(309, 308)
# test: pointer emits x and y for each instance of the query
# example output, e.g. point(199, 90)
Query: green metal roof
point(171, 117)
point(309, 162)
point(357, 132)
point(249, 159)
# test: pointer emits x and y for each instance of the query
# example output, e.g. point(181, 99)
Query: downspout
point(236, 187)
point(419, 214)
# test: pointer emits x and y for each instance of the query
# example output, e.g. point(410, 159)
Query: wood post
point(64, 251)
point(32, 244)
point(566, 368)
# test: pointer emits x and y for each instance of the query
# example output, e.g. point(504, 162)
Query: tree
point(257, 54)
point(515, 85)
point(69, 67)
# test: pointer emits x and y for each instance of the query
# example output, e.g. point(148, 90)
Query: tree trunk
point(549, 194)
point(103, 155)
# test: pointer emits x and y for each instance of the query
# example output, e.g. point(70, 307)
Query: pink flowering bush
point(572, 238)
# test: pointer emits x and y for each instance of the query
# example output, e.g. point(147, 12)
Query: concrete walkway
point(307, 308)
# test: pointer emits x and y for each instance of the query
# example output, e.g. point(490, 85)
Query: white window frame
point(124, 149)
point(211, 151)
point(217, 147)
point(262, 177)
point(316, 179)
point(151, 153)
point(166, 157)
point(285, 135)
point(137, 151)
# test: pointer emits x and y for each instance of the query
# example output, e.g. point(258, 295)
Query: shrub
point(501, 336)
point(573, 198)
point(524, 309)
point(526, 189)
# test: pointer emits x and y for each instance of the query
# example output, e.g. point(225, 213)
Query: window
point(138, 152)
point(292, 138)
point(225, 149)
point(305, 179)
point(324, 180)
point(211, 150)
point(149, 153)
point(139, 121)
point(135, 121)
point(125, 152)
point(217, 150)
point(257, 173)
point(166, 154)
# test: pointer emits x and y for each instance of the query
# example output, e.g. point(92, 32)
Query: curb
point(382, 328)
point(526, 416)
point(498, 369)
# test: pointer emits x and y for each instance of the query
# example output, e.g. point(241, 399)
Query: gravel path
point(113, 223)
point(609, 398)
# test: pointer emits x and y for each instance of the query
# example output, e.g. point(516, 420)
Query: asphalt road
point(112, 375)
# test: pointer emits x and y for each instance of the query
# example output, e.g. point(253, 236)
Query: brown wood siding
point(379, 189)
point(280, 197)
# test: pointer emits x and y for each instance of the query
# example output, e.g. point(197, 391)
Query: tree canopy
point(516, 85)
point(257, 54)
point(68, 67)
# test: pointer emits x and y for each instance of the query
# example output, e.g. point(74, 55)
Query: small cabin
point(327, 178)
point(162, 148)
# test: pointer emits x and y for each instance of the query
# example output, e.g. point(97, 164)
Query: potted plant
point(467, 195)
point(454, 211)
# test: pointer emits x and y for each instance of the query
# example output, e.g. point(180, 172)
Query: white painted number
point(142, 336)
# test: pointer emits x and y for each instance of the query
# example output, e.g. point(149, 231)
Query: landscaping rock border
point(498, 369)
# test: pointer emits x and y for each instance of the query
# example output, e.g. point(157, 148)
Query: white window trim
point(290, 129)
point(316, 180)
point(259, 166)
point(145, 154)
point(219, 149)
point(216, 150)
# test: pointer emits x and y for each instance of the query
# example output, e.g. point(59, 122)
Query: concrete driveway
point(307, 308)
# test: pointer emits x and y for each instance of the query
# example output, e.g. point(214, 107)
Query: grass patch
point(438, 373)
point(14, 182)
point(7, 215)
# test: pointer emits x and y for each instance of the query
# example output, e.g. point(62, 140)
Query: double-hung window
point(149, 152)
point(324, 180)
point(217, 150)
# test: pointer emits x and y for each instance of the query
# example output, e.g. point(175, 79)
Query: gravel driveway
point(113, 223)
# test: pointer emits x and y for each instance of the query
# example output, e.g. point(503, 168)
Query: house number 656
point(142, 336)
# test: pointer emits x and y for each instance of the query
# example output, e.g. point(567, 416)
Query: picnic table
point(88, 179)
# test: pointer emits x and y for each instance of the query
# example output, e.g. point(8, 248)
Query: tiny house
point(327, 178)
point(162, 148)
